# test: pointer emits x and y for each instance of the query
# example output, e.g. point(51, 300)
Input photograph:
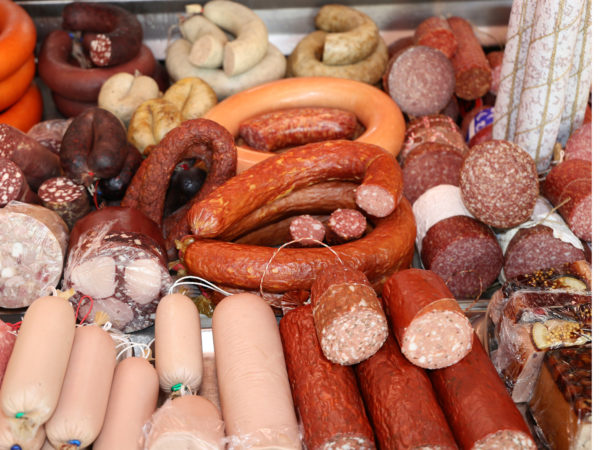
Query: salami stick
point(325, 394)
point(435, 32)
point(345, 225)
point(67, 199)
point(307, 228)
point(428, 324)
point(401, 402)
point(477, 406)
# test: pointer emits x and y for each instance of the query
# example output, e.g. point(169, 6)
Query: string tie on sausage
point(79, 303)
point(143, 350)
point(197, 281)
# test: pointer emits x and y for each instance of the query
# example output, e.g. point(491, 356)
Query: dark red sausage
point(435, 32)
point(478, 408)
point(71, 108)
point(49, 133)
point(345, 224)
point(401, 402)
point(67, 199)
point(114, 188)
point(13, 185)
point(427, 321)
point(307, 229)
point(113, 35)
point(325, 394)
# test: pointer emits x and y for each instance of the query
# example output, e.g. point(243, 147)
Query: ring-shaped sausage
point(13, 87)
point(378, 113)
point(17, 37)
point(26, 112)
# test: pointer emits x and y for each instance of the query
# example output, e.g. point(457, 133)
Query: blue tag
point(481, 120)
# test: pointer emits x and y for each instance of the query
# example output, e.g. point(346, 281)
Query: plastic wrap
point(122, 272)
point(33, 243)
point(562, 400)
point(191, 422)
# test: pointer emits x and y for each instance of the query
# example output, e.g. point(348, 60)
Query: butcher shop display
point(239, 225)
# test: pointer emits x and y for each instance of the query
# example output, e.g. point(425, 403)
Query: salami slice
point(420, 80)
point(66, 198)
point(429, 165)
point(434, 128)
point(401, 402)
point(436, 33)
point(465, 253)
point(579, 145)
point(568, 186)
point(326, 395)
point(33, 246)
point(427, 321)
point(479, 410)
point(348, 316)
point(499, 183)
point(345, 225)
point(307, 227)
point(13, 185)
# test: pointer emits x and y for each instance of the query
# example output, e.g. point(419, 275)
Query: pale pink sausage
point(256, 399)
point(84, 396)
point(178, 345)
point(36, 369)
point(189, 422)
point(8, 441)
point(133, 398)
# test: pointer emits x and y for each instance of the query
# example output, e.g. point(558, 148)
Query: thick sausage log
point(435, 32)
point(568, 186)
point(49, 133)
point(427, 321)
point(13, 184)
point(256, 399)
point(112, 35)
point(297, 126)
point(433, 128)
point(480, 412)
point(84, 395)
point(401, 402)
point(114, 188)
point(349, 319)
point(325, 394)
point(9, 442)
point(67, 199)
point(38, 364)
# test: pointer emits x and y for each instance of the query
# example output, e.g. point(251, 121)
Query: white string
point(143, 348)
point(197, 281)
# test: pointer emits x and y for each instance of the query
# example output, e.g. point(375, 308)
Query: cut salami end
point(307, 228)
point(581, 219)
point(12, 182)
point(347, 223)
point(436, 33)
point(434, 128)
point(375, 200)
point(437, 339)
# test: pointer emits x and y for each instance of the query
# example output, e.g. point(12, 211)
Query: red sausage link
point(435, 32)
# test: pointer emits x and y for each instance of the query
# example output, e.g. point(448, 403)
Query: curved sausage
point(374, 109)
point(84, 396)
point(132, 400)
point(26, 112)
point(178, 345)
point(150, 122)
point(17, 37)
point(36, 369)
point(192, 96)
point(15, 85)
point(208, 41)
point(256, 399)
point(68, 107)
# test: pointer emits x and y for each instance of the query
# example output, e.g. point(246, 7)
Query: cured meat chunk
point(308, 228)
point(49, 133)
point(13, 184)
point(345, 225)
point(401, 402)
point(69, 200)
point(32, 250)
point(326, 395)
point(579, 145)
point(435, 32)
point(433, 128)
point(427, 321)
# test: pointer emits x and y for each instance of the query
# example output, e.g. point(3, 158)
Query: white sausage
point(84, 396)
point(208, 42)
point(36, 369)
point(192, 96)
point(190, 422)
point(178, 345)
point(133, 397)
point(8, 441)
point(256, 399)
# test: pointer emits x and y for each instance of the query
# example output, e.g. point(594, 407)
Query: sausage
point(133, 398)
point(495, 59)
point(349, 319)
point(297, 126)
point(178, 345)
point(302, 62)
point(381, 117)
point(480, 412)
point(185, 182)
point(306, 229)
point(351, 35)
point(401, 402)
point(568, 186)
point(278, 233)
point(436, 33)
point(325, 394)
point(499, 183)
point(472, 70)
point(579, 145)
point(32, 250)
point(192, 96)
point(67, 199)
point(345, 225)
point(50, 132)
point(150, 123)
point(26, 112)
point(17, 37)
point(76, 83)
point(93, 147)
point(9, 442)
point(114, 188)
point(400, 45)
point(190, 422)
point(296, 269)
point(69, 107)
point(433, 128)
point(7, 342)
point(36, 161)
point(13, 185)
point(36, 369)
point(123, 92)
point(208, 41)
point(378, 194)
point(244, 331)
point(251, 41)
point(420, 80)
point(90, 372)
point(427, 321)
point(428, 165)
point(13, 87)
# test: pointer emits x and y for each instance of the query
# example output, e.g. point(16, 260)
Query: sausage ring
point(17, 37)
point(26, 112)
point(15, 85)
point(378, 113)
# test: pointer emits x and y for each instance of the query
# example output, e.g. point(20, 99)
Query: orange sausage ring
point(378, 113)
point(17, 37)
point(26, 112)
point(14, 86)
